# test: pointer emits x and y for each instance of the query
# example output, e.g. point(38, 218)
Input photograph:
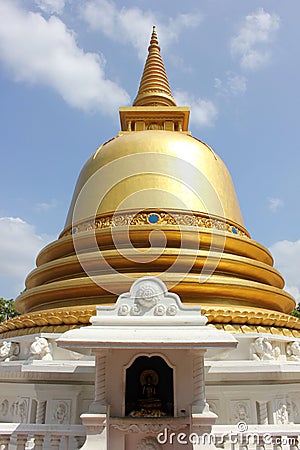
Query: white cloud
point(233, 85)
point(203, 112)
point(45, 52)
point(287, 260)
point(252, 42)
point(19, 245)
point(46, 206)
point(51, 6)
point(275, 203)
point(133, 25)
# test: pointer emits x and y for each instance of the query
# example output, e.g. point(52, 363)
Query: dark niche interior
point(149, 388)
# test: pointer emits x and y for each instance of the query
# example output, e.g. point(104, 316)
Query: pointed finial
point(154, 39)
point(154, 87)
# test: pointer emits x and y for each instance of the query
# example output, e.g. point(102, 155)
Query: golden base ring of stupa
point(73, 274)
point(206, 264)
point(234, 320)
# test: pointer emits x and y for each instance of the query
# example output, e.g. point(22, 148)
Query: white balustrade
point(15, 436)
point(19, 436)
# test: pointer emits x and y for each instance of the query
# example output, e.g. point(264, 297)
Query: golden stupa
point(155, 201)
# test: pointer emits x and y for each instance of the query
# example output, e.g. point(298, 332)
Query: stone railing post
point(4, 442)
point(21, 441)
point(55, 442)
point(38, 442)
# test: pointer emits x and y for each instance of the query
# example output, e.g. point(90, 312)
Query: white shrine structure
point(154, 321)
point(153, 348)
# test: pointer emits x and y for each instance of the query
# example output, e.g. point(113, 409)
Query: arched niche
point(149, 388)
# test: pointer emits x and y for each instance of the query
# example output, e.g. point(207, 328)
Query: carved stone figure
point(293, 351)
point(61, 413)
point(4, 407)
point(262, 350)
point(9, 351)
point(241, 412)
point(19, 409)
point(40, 349)
point(23, 409)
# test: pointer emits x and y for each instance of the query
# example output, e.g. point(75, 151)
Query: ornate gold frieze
point(156, 218)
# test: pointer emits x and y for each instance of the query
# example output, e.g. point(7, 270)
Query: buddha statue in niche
point(149, 383)
point(149, 402)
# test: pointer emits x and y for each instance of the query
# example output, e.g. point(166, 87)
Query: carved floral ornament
point(148, 295)
point(145, 296)
point(152, 426)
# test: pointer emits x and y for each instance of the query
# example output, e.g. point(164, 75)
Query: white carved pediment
point(148, 316)
point(149, 302)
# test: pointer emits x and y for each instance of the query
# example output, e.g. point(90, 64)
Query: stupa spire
point(154, 87)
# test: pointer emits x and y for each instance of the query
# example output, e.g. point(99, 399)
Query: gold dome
point(155, 201)
point(154, 169)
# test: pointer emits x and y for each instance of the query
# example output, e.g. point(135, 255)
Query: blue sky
point(66, 67)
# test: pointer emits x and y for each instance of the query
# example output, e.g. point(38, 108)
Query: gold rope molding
point(240, 320)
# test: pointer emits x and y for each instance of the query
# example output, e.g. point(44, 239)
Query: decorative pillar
point(99, 403)
point(201, 418)
point(95, 421)
point(199, 403)
point(100, 378)
point(263, 412)
point(40, 412)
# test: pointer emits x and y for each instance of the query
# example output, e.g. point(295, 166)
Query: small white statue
point(9, 351)
point(262, 350)
point(40, 349)
point(293, 351)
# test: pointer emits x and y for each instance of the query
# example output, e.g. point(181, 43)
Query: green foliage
point(296, 312)
point(7, 309)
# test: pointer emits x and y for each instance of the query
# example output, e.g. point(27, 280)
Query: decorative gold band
point(234, 320)
point(156, 218)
